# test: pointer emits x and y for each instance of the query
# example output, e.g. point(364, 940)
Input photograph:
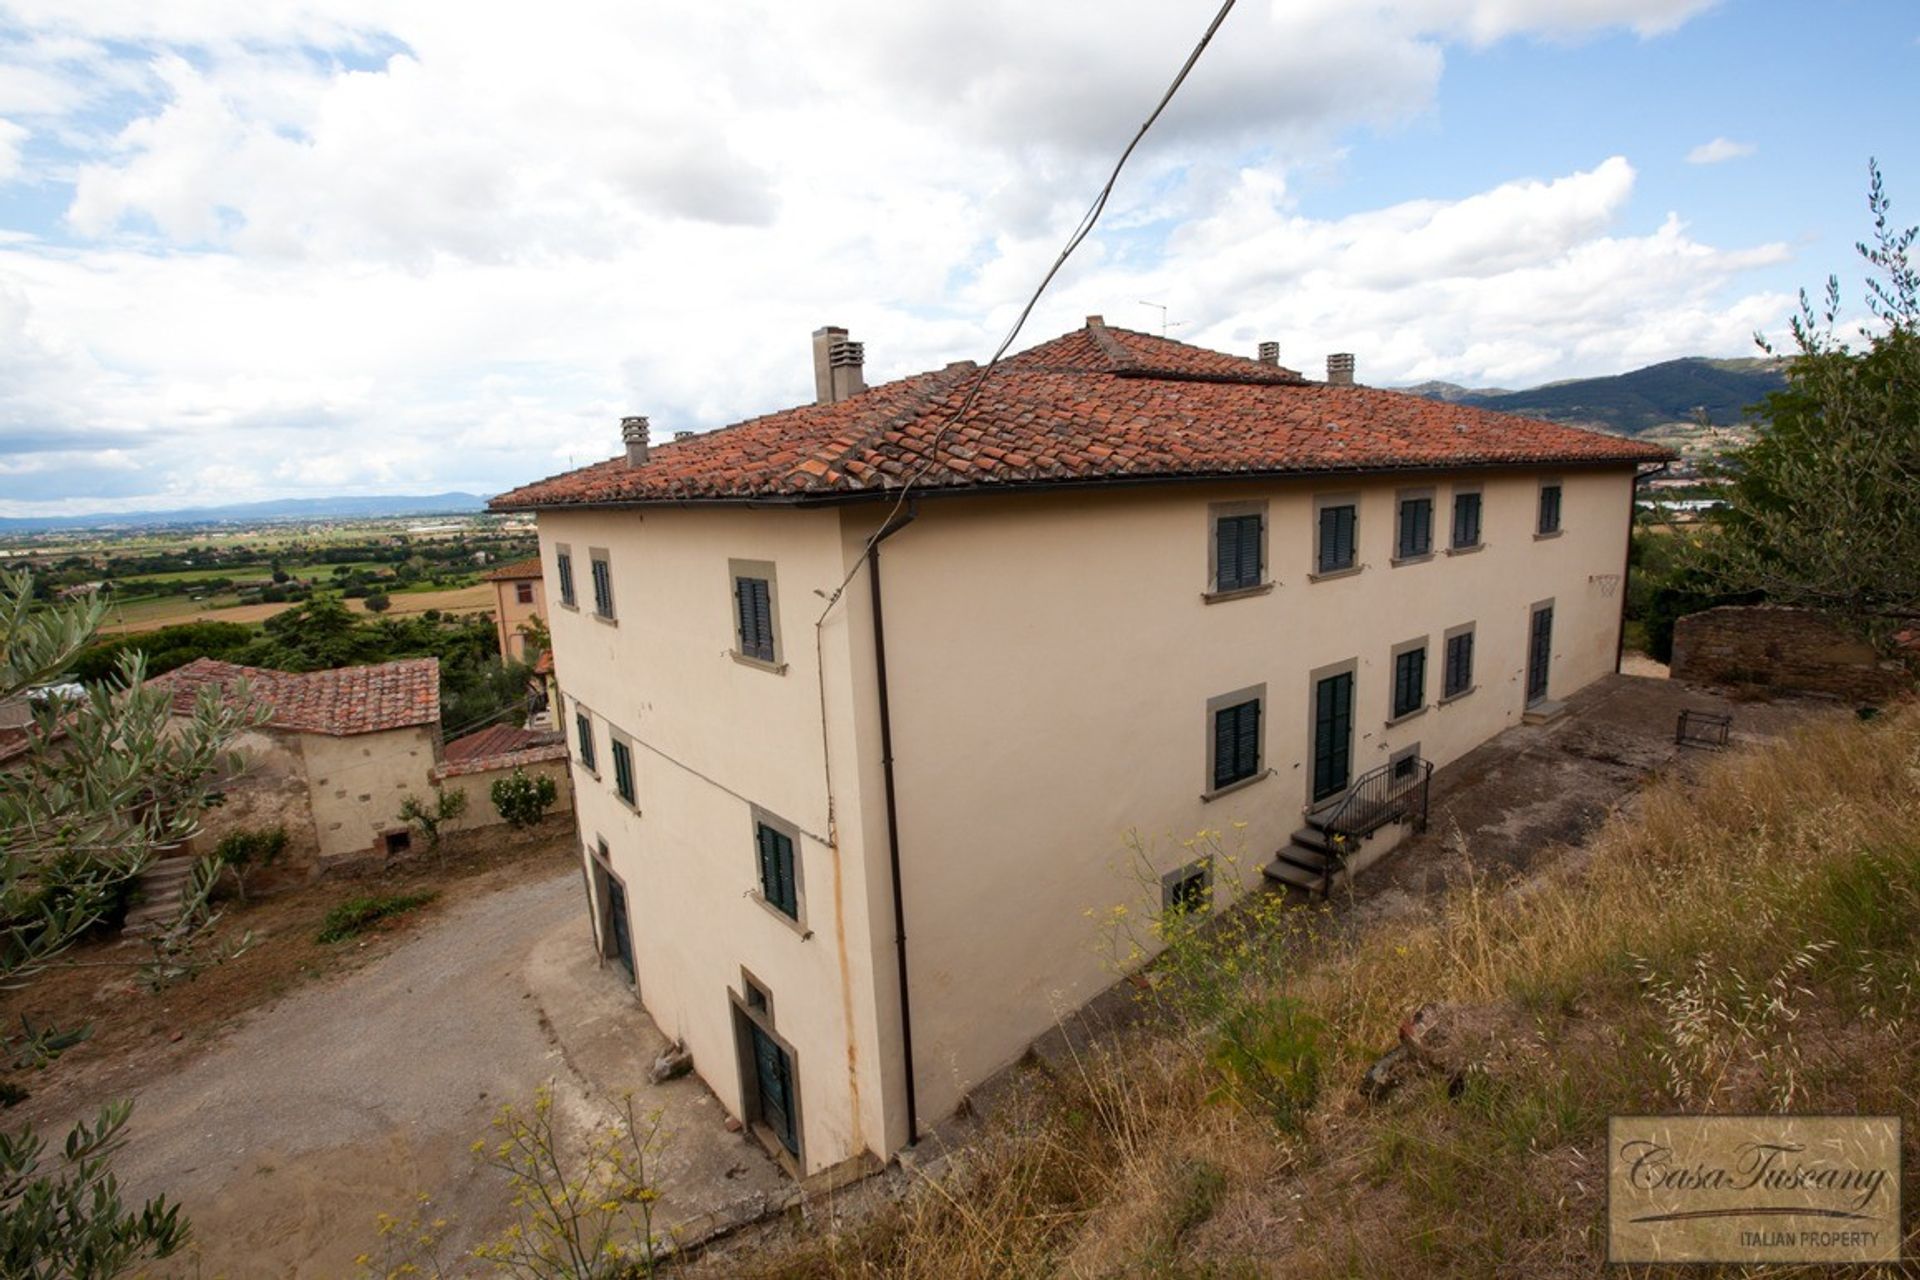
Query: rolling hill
point(1630, 403)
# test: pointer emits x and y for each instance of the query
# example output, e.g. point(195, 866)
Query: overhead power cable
point(1080, 233)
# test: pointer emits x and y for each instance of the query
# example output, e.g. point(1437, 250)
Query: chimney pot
point(839, 365)
point(681, 435)
point(1269, 353)
point(633, 430)
point(1096, 322)
point(1340, 369)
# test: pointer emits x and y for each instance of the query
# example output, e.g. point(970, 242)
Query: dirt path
point(286, 1137)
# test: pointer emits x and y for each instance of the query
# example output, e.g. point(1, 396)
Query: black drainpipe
point(1626, 568)
point(893, 820)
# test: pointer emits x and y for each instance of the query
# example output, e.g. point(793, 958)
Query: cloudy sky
point(261, 248)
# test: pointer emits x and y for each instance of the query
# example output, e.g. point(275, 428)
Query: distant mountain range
point(1630, 403)
point(343, 507)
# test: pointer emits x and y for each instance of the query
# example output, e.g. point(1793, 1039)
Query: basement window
point(397, 842)
point(1187, 890)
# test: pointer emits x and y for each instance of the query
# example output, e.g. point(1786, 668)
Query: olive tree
point(109, 777)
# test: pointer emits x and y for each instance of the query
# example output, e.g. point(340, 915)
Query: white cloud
point(344, 244)
point(1719, 151)
point(12, 138)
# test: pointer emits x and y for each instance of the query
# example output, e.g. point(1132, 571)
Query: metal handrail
point(1375, 799)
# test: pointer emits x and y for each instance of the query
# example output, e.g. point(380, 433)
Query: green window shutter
point(623, 771)
point(563, 565)
point(1409, 681)
point(584, 726)
point(1416, 527)
point(753, 614)
point(777, 882)
point(1236, 743)
point(1337, 550)
point(1466, 519)
point(1236, 552)
point(1550, 509)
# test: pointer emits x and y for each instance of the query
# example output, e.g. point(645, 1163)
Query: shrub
point(242, 853)
point(351, 918)
point(428, 819)
point(521, 800)
point(378, 602)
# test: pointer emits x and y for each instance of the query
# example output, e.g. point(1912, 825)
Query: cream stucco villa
point(851, 770)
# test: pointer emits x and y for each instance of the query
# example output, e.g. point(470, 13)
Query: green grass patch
point(356, 915)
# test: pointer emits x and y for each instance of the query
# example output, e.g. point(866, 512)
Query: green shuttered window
point(1459, 673)
point(777, 884)
point(583, 725)
point(1337, 546)
point(1416, 527)
point(1409, 682)
point(1549, 508)
point(1236, 543)
point(602, 588)
point(1236, 743)
point(623, 770)
point(753, 614)
point(563, 566)
point(1466, 520)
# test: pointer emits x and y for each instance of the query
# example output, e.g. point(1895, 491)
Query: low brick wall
point(1786, 649)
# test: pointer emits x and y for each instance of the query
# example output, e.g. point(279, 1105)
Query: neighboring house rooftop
point(339, 702)
point(500, 747)
point(516, 571)
point(1096, 406)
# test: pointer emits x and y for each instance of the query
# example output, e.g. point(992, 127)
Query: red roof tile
point(338, 703)
point(498, 740)
point(1095, 405)
point(516, 571)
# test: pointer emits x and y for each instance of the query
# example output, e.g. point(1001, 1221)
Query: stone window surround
point(798, 920)
point(1465, 628)
point(1248, 507)
point(1346, 498)
point(1252, 693)
point(1453, 548)
point(764, 569)
point(1400, 498)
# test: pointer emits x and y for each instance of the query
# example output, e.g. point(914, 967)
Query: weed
point(353, 917)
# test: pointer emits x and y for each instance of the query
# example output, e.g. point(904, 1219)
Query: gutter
point(887, 530)
point(1626, 565)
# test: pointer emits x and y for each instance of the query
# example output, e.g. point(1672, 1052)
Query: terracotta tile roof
point(515, 571)
point(501, 747)
point(497, 740)
point(1095, 405)
point(339, 703)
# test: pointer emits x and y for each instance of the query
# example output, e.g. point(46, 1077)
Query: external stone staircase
point(160, 891)
point(1315, 857)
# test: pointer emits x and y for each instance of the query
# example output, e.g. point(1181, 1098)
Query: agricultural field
point(160, 578)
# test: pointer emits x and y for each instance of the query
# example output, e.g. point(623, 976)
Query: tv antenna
point(1165, 324)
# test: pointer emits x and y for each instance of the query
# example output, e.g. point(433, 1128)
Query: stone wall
point(1786, 649)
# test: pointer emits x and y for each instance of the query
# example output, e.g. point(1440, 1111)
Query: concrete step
point(1314, 838)
point(1545, 712)
point(1294, 877)
point(1307, 859)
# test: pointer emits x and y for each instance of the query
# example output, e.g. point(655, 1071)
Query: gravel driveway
point(347, 1099)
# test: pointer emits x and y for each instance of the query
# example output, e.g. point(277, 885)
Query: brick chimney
point(1269, 353)
point(1340, 369)
point(838, 365)
point(633, 430)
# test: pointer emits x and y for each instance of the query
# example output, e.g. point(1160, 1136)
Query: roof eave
point(1241, 476)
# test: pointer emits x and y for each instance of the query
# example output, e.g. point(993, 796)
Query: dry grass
point(1750, 942)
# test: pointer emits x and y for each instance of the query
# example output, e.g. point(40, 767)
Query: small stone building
point(340, 751)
